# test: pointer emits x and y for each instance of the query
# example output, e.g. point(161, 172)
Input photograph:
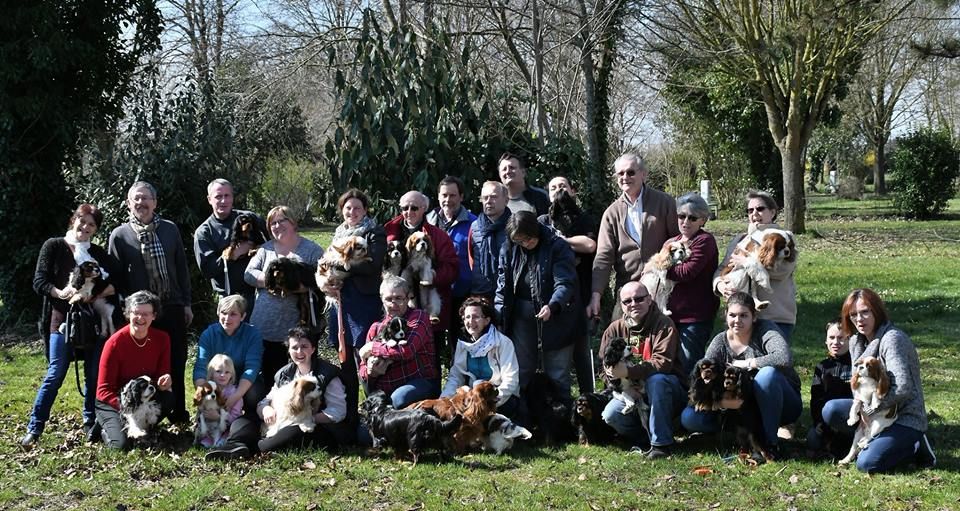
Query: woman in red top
point(133, 351)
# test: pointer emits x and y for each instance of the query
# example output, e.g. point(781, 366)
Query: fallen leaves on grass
point(794, 479)
point(702, 471)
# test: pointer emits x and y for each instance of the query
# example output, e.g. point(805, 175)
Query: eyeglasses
point(682, 217)
point(629, 172)
point(634, 299)
point(394, 298)
point(865, 314)
point(758, 209)
point(279, 222)
point(410, 208)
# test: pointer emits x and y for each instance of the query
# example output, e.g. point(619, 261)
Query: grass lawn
point(914, 266)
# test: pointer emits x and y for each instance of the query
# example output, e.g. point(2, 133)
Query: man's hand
point(243, 249)
point(618, 371)
point(187, 316)
point(544, 314)
point(66, 293)
point(593, 309)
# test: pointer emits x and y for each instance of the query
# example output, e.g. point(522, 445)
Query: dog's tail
point(451, 426)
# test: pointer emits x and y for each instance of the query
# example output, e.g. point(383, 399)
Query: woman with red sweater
point(133, 351)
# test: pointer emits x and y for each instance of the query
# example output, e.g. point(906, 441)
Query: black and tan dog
point(285, 276)
point(738, 384)
point(706, 386)
point(406, 431)
point(246, 228)
point(587, 418)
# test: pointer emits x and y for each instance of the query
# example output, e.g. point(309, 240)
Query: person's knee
point(869, 464)
point(765, 378)
point(612, 411)
point(835, 411)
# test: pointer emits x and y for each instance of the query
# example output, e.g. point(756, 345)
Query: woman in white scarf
point(487, 355)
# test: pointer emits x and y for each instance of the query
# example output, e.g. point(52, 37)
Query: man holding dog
point(214, 235)
point(151, 252)
point(632, 229)
point(655, 344)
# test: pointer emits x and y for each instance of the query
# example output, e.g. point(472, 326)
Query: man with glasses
point(151, 251)
point(214, 235)
point(632, 229)
point(655, 343)
point(446, 264)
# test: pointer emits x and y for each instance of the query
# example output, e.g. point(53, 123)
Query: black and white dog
point(500, 433)
point(88, 281)
point(628, 390)
point(139, 406)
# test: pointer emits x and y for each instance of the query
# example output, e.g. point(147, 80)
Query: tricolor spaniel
point(762, 250)
point(209, 398)
point(870, 383)
point(628, 390)
point(342, 255)
point(654, 276)
point(392, 335)
point(86, 279)
point(420, 271)
point(139, 407)
point(500, 433)
point(395, 260)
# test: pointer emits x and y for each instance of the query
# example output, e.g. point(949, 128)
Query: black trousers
point(112, 424)
point(172, 322)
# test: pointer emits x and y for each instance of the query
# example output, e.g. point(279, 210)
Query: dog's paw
point(307, 428)
point(762, 304)
point(667, 312)
point(852, 421)
point(391, 343)
point(628, 409)
point(401, 343)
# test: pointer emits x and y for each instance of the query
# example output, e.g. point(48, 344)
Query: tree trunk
point(794, 200)
point(879, 169)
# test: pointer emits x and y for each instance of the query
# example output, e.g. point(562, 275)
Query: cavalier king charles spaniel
point(209, 398)
point(392, 335)
point(342, 255)
point(406, 431)
point(654, 276)
point(395, 259)
point(246, 228)
point(475, 405)
point(500, 433)
point(420, 271)
point(139, 407)
point(738, 385)
point(286, 276)
point(762, 250)
point(587, 418)
point(628, 390)
point(86, 278)
point(705, 386)
point(870, 383)
point(295, 404)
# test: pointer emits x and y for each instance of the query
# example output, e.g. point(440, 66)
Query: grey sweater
point(125, 246)
point(767, 346)
point(897, 352)
point(273, 315)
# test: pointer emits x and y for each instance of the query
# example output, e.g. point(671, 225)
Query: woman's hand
point(269, 415)
point(165, 382)
point(725, 289)
point(749, 363)
point(65, 293)
point(738, 259)
point(544, 314)
point(617, 371)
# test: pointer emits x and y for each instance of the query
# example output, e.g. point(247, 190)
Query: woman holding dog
point(58, 258)
point(762, 213)
point(135, 350)
point(274, 315)
point(692, 303)
point(486, 355)
point(358, 301)
point(865, 320)
point(758, 346)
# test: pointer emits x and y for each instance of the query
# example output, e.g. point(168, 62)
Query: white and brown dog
point(654, 276)
point(762, 251)
point(870, 383)
point(420, 270)
point(342, 255)
point(88, 281)
point(209, 398)
point(295, 404)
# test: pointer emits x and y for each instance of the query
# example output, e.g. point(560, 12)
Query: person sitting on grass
point(831, 380)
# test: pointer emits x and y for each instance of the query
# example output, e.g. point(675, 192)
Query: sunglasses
point(410, 208)
point(682, 217)
point(634, 299)
point(629, 172)
point(758, 209)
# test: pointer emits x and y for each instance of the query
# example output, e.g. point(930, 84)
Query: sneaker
point(29, 440)
point(925, 458)
point(786, 432)
point(228, 452)
point(658, 451)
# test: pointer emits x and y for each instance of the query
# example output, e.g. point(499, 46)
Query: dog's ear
point(768, 251)
point(198, 396)
point(880, 374)
point(855, 379)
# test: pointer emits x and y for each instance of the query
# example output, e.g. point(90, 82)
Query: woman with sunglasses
point(692, 303)
point(275, 315)
point(761, 213)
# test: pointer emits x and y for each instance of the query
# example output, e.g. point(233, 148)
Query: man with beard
point(487, 234)
point(655, 344)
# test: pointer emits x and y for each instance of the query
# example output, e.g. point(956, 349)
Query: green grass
point(913, 265)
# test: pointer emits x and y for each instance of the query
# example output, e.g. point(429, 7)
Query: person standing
point(513, 175)
point(632, 229)
point(150, 250)
point(487, 234)
point(214, 235)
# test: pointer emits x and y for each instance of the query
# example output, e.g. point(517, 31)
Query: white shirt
point(635, 217)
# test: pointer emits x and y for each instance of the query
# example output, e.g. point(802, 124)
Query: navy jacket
point(486, 240)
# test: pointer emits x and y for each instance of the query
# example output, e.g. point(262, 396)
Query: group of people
point(519, 282)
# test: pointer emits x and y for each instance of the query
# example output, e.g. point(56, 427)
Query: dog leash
point(226, 277)
point(341, 340)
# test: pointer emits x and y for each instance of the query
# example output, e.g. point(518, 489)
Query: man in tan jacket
point(633, 228)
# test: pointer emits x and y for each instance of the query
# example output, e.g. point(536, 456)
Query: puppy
point(500, 433)
point(139, 407)
point(705, 386)
point(655, 272)
point(420, 270)
point(246, 228)
point(396, 258)
point(870, 383)
point(475, 405)
point(406, 431)
point(342, 255)
point(209, 398)
point(86, 279)
point(295, 404)
point(549, 412)
point(738, 384)
point(627, 390)
point(392, 335)
point(289, 275)
point(588, 420)
point(762, 250)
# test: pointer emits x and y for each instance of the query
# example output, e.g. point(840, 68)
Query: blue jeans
point(779, 404)
point(885, 451)
point(56, 372)
point(415, 390)
point(693, 342)
point(666, 398)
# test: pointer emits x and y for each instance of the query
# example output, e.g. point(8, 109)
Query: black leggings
point(292, 437)
point(112, 424)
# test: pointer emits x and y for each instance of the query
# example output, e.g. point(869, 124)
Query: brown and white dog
point(295, 404)
point(86, 279)
point(420, 253)
point(476, 405)
point(870, 383)
point(209, 398)
point(762, 250)
point(654, 276)
point(342, 255)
